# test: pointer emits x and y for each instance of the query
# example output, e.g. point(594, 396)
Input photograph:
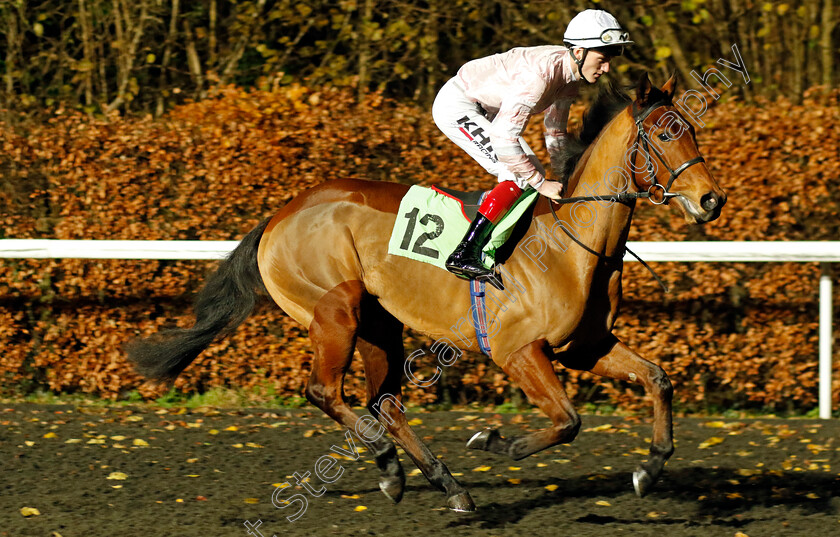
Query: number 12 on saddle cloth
point(430, 224)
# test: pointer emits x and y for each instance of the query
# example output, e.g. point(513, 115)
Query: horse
point(323, 258)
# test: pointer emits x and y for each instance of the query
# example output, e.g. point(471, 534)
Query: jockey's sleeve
point(507, 127)
point(556, 118)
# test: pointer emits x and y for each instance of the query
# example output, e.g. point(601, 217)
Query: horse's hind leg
point(618, 361)
point(333, 334)
point(379, 336)
point(380, 344)
point(530, 367)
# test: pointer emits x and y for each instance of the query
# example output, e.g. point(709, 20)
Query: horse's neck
point(602, 226)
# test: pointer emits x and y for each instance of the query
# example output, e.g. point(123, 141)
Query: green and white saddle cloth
point(430, 224)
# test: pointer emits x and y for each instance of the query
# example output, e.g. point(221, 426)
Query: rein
point(609, 258)
point(625, 197)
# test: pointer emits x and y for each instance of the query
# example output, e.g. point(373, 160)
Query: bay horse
point(323, 258)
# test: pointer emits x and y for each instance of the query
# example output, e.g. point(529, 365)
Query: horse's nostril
point(709, 201)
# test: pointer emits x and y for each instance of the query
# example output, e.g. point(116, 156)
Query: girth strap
point(479, 314)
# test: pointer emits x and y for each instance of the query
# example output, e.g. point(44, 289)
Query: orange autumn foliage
point(729, 335)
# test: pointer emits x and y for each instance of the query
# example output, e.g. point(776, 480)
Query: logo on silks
point(476, 135)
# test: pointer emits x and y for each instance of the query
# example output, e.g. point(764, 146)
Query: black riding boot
point(466, 259)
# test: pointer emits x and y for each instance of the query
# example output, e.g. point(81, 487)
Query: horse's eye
point(664, 137)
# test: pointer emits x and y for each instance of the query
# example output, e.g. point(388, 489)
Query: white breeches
point(466, 123)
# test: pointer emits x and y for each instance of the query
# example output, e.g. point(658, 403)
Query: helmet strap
point(579, 63)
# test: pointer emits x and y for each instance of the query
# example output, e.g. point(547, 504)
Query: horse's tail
point(226, 300)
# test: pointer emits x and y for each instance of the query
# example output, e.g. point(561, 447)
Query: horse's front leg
point(530, 367)
point(613, 359)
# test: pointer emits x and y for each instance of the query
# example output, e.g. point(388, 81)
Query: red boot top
point(499, 200)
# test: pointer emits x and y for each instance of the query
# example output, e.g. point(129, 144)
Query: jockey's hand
point(551, 189)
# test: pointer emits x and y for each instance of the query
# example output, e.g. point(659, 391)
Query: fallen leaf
point(715, 424)
point(29, 511)
point(481, 469)
point(120, 476)
point(603, 503)
point(415, 421)
point(140, 442)
point(50, 435)
point(551, 487)
point(351, 496)
point(604, 427)
point(360, 508)
point(514, 481)
point(251, 500)
point(713, 441)
point(746, 472)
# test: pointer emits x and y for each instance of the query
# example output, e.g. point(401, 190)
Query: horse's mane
point(611, 100)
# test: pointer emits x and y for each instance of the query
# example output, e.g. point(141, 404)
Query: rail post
point(825, 340)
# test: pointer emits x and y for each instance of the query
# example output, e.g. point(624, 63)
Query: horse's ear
point(670, 87)
point(643, 90)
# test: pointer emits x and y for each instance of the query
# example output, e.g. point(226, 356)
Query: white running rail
point(823, 252)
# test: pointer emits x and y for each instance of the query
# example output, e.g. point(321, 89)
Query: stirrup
point(461, 272)
point(494, 279)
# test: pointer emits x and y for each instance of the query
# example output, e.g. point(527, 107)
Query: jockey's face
point(596, 64)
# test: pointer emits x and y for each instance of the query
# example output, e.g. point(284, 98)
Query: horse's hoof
point(392, 487)
point(461, 503)
point(642, 481)
point(481, 439)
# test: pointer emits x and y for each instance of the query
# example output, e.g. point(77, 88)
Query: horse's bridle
point(649, 193)
point(632, 196)
point(641, 135)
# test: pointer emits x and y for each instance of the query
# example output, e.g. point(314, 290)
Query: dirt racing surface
point(119, 472)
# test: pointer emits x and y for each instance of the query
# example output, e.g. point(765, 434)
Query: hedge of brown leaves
point(729, 335)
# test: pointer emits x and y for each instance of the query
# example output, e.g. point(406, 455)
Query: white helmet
point(595, 28)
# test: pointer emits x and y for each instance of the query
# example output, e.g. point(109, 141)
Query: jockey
point(485, 107)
